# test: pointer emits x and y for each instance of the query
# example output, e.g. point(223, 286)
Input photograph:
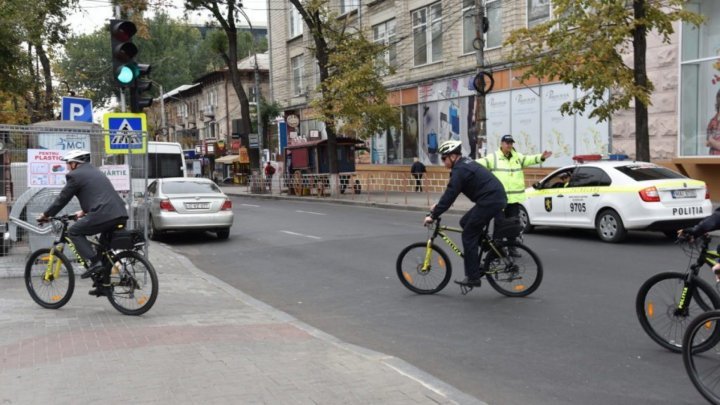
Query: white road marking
point(249, 205)
point(310, 212)
point(300, 234)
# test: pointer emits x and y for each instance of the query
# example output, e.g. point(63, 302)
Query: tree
point(350, 89)
point(268, 112)
point(225, 13)
point(583, 45)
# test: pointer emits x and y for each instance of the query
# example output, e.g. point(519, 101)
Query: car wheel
point(525, 220)
point(610, 227)
point(222, 233)
point(153, 233)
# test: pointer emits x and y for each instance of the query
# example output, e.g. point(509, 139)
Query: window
point(538, 11)
point(700, 83)
point(347, 6)
point(493, 12)
point(297, 75)
point(384, 33)
point(648, 172)
point(589, 177)
point(295, 22)
point(427, 34)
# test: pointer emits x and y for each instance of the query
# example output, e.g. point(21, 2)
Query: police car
point(614, 196)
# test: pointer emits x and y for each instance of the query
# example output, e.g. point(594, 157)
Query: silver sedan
point(188, 203)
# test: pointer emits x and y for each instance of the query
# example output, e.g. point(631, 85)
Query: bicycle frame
point(709, 257)
point(58, 246)
point(439, 231)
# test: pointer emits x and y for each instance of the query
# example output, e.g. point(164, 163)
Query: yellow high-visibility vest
point(510, 171)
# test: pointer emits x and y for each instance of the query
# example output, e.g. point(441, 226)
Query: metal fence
point(31, 177)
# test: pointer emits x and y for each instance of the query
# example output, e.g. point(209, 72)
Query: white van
point(163, 160)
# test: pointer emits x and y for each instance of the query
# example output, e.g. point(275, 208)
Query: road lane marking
point(301, 234)
point(310, 212)
point(249, 205)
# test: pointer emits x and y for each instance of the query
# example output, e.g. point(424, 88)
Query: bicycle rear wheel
point(55, 291)
point(656, 307)
point(513, 276)
point(410, 269)
point(134, 283)
point(703, 368)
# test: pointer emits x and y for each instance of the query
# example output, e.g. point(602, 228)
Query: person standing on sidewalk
point(417, 170)
point(269, 172)
point(480, 187)
point(507, 165)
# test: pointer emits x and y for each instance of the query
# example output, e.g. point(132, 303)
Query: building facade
point(431, 47)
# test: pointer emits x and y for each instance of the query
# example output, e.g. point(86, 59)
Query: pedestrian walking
point(507, 165)
point(418, 170)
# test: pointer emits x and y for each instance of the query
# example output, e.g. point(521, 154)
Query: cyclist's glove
point(690, 232)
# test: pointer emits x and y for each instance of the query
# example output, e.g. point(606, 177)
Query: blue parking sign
point(77, 109)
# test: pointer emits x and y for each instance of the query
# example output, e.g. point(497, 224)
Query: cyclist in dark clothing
point(102, 210)
point(708, 224)
point(482, 188)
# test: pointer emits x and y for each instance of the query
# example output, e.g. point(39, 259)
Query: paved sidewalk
point(203, 342)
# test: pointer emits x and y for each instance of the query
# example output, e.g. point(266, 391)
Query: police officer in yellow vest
point(507, 165)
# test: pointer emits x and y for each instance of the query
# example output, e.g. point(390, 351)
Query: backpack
point(270, 170)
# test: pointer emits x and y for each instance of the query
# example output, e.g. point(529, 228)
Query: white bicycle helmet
point(449, 147)
point(77, 155)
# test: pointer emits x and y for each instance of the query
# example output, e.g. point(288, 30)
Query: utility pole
point(479, 44)
point(163, 120)
point(257, 90)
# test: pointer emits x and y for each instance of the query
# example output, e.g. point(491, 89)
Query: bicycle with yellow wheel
point(50, 278)
point(424, 268)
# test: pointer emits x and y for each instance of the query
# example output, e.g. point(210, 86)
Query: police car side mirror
point(536, 186)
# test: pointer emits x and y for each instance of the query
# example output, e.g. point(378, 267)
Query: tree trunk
point(642, 135)
point(47, 105)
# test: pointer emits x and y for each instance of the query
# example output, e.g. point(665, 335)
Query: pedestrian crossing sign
point(126, 133)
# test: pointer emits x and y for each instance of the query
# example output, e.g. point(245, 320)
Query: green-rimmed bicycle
point(424, 268)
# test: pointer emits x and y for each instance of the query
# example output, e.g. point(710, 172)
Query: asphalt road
point(576, 340)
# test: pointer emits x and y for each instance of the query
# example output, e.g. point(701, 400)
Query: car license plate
point(196, 205)
point(684, 194)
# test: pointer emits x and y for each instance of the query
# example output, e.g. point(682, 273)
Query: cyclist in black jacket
point(708, 224)
point(482, 188)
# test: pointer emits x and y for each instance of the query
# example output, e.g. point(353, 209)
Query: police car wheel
point(525, 220)
point(610, 227)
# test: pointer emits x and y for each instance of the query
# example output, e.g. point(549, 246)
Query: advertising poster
point(379, 151)
point(497, 106)
point(410, 133)
point(45, 169)
point(525, 120)
point(429, 133)
point(119, 176)
point(592, 137)
point(64, 141)
point(557, 130)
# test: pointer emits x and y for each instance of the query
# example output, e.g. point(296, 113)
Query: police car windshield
point(648, 172)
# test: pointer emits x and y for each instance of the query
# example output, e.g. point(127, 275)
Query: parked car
point(188, 203)
point(615, 196)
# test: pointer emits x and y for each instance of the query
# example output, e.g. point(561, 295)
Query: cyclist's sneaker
point(471, 282)
point(94, 269)
point(100, 291)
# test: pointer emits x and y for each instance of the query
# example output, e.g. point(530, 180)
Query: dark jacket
point(473, 180)
point(708, 224)
point(94, 191)
point(417, 168)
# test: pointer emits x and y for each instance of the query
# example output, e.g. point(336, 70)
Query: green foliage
point(176, 52)
point(584, 44)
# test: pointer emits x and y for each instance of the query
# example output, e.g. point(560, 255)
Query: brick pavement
point(203, 342)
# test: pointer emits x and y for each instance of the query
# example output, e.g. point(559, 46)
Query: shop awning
point(228, 160)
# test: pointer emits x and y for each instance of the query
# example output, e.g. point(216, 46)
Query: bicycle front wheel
point(657, 310)
point(50, 290)
point(703, 368)
point(423, 281)
point(518, 275)
point(134, 283)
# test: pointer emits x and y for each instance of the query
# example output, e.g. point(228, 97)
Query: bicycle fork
point(52, 271)
point(428, 256)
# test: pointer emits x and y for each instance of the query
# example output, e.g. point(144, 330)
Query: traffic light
point(123, 52)
point(140, 86)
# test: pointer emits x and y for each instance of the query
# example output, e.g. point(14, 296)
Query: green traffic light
point(125, 75)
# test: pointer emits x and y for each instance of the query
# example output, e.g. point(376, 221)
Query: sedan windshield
point(648, 172)
point(186, 187)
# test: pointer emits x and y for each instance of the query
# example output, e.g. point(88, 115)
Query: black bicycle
point(667, 302)
point(50, 279)
point(424, 268)
point(703, 368)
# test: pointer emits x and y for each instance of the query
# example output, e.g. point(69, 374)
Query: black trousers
point(90, 225)
point(418, 181)
point(473, 223)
